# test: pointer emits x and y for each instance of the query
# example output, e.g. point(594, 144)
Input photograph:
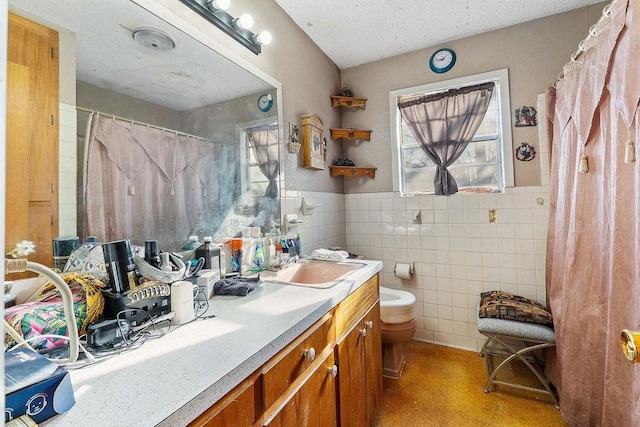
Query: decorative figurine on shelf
point(294, 145)
point(525, 152)
point(345, 91)
point(526, 116)
point(344, 162)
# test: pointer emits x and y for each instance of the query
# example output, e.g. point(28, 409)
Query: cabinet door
point(360, 366)
point(373, 363)
point(352, 377)
point(239, 408)
point(32, 137)
point(313, 401)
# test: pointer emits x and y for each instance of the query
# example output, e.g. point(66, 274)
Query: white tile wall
point(456, 251)
point(67, 173)
point(325, 227)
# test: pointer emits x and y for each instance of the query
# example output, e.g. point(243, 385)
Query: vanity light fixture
point(238, 28)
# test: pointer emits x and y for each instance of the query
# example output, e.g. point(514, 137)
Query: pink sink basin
point(315, 274)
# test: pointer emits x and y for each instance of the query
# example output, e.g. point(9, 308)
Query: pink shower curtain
point(593, 248)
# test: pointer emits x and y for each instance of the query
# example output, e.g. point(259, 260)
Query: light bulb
point(214, 5)
point(245, 21)
point(264, 37)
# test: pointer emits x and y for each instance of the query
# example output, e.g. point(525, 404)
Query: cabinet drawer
point(311, 400)
point(286, 366)
point(353, 308)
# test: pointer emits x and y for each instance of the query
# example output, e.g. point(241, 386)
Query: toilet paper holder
point(403, 270)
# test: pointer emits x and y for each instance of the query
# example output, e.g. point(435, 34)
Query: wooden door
point(32, 137)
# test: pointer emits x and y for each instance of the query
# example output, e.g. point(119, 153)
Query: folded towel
point(329, 255)
point(239, 286)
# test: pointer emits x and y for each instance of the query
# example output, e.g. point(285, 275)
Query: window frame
point(505, 153)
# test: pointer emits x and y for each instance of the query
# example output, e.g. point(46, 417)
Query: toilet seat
point(396, 306)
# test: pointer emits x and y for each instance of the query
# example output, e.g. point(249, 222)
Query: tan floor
point(442, 387)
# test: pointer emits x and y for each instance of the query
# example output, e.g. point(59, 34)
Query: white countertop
point(171, 380)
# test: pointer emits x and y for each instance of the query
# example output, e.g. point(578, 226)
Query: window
point(485, 165)
point(255, 172)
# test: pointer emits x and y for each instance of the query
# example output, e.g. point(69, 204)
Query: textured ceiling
point(108, 57)
point(354, 32)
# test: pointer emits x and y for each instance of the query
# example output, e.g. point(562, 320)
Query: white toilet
point(398, 324)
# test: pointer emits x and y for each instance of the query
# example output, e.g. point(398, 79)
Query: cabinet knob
point(333, 371)
point(369, 324)
point(363, 332)
point(310, 354)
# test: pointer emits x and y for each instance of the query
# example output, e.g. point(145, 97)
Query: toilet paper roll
point(403, 270)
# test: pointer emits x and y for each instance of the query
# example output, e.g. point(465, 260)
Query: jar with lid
point(210, 253)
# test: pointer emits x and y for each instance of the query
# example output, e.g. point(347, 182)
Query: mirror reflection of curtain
point(264, 144)
point(144, 183)
point(444, 123)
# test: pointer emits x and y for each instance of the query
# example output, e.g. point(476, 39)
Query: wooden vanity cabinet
point(331, 375)
point(359, 356)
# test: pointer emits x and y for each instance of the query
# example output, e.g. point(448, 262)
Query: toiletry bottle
point(248, 249)
point(228, 256)
point(271, 255)
point(223, 260)
point(151, 254)
point(210, 253)
point(298, 245)
point(258, 260)
point(277, 259)
point(236, 262)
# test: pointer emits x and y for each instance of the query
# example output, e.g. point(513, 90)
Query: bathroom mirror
point(134, 67)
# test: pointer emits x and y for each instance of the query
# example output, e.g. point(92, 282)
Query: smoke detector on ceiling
point(153, 38)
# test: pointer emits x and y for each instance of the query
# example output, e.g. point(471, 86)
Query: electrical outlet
point(493, 216)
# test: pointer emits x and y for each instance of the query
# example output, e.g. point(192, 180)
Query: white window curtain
point(264, 143)
point(444, 123)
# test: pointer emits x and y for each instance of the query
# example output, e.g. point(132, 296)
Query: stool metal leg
point(515, 354)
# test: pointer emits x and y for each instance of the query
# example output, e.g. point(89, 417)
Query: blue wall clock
point(442, 60)
point(265, 102)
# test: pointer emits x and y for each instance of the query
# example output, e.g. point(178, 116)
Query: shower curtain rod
point(124, 119)
point(592, 33)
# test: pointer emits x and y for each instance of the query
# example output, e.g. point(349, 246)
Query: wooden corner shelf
point(351, 134)
point(348, 102)
point(352, 171)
